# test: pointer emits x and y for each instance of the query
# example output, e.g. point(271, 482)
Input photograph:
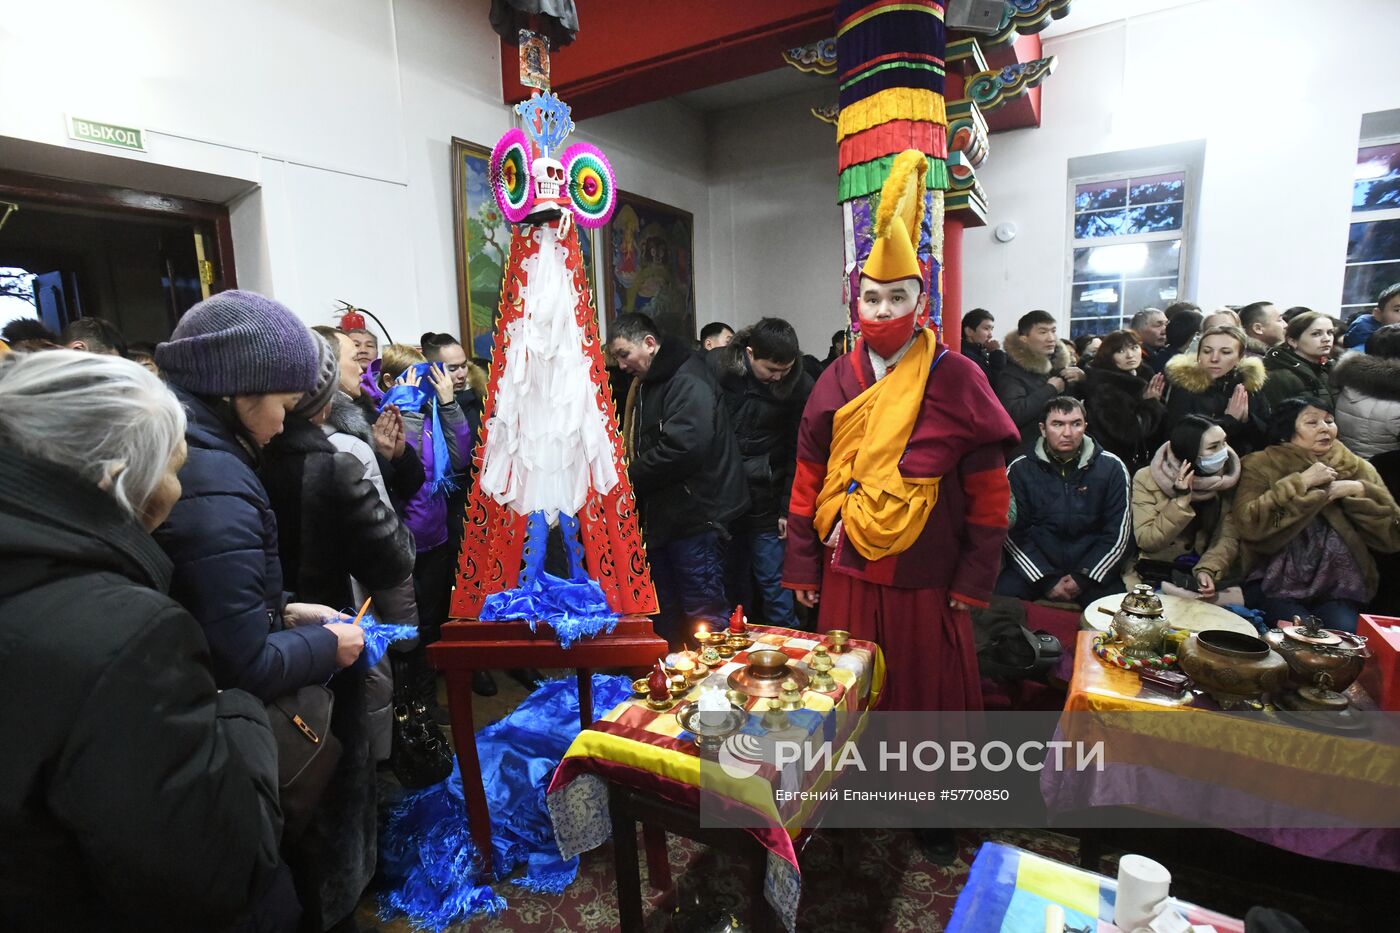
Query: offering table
point(638, 762)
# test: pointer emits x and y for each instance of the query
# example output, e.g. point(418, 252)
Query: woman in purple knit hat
point(238, 361)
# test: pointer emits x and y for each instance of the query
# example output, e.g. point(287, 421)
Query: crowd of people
point(203, 517)
point(1247, 457)
point(197, 524)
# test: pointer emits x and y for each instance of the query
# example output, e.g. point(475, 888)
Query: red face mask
point(886, 337)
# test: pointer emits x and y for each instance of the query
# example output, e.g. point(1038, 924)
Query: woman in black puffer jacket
point(332, 526)
point(1301, 366)
point(1220, 383)
point(238, 361)
point(134, 794)
point(1123, 400)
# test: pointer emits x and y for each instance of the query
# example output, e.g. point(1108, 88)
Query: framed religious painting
point(482, 237)
point(648, 253)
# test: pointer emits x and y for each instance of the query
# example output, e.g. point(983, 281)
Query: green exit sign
point(106, 134)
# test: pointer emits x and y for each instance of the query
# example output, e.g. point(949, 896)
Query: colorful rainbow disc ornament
point(592, 187)
point(510, 174)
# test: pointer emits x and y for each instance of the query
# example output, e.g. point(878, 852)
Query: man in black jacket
point(1037, 369)
point(979, 342)
point(1071, 524)
point(764, 389)
point(685, 469)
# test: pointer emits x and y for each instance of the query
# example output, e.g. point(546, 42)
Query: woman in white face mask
point(1181, 514)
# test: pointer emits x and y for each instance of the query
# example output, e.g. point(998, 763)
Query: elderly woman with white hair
point(133, 794)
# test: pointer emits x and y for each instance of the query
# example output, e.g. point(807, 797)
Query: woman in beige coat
point(1182, 503)
point(1309, 512)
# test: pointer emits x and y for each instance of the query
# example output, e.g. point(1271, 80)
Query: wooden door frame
point(63, 192)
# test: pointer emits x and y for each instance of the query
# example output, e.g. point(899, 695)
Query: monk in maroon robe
point(899, 506)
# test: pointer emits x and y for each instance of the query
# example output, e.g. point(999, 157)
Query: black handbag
point(307, 753)
point(421, 756)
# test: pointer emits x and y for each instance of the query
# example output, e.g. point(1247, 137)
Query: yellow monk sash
point(882, 511)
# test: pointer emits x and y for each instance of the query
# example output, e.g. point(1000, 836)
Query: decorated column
point(889, 62)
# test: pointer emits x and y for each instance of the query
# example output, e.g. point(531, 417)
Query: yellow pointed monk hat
point(898, 220)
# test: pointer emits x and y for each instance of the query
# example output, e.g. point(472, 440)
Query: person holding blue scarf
point(433, 422)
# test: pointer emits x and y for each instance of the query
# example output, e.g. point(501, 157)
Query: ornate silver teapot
point(1139, 623)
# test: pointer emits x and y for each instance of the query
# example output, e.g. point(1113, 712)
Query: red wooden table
point(467, 647)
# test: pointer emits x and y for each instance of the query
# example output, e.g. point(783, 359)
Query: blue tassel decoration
point(576, 608)
point(378, 637)
point(425, 850)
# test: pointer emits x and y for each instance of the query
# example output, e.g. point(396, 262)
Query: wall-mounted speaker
point(982, 17)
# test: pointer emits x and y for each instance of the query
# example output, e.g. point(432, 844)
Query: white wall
point(1277, 92)
point(775, 243)
point(335, 118)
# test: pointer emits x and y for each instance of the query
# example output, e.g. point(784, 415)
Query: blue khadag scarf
point(417, 398)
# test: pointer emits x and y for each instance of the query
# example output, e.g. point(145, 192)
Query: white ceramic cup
point(1142, 886)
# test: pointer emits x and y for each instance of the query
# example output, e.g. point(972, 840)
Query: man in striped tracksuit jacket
point(1072, 525)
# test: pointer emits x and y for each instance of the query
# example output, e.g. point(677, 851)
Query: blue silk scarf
point(418, 398)
point(576, 608)
point(425, 849)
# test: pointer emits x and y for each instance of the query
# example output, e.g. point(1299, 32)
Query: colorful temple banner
point(890, 63)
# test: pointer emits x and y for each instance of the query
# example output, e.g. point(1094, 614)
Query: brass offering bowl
point(738, 641)
point(821, 665)
point(711, 639)
point(639, 687)
point(1234, 668)
point(836, 639)
point(765, 673)
point(791, 695)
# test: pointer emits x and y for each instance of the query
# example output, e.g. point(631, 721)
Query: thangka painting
point(482, 236)
point(649, 264)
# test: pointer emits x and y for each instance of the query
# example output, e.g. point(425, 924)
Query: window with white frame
point(1128, 236)
point(1373, 248)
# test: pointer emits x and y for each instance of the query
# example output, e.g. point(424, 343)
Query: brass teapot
point(1325, 658)
point(1139, 623)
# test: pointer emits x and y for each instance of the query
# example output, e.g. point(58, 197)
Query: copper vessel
point(765, 673)
point(1320, 657)
point(1233, 668)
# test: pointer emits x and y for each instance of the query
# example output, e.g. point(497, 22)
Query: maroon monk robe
point(962, 435)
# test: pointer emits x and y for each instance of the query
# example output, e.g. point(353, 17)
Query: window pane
point(1136, 260)
point(1152, 189)
point(1373, 241)
point(1148, 293)
point(1099, 195)
point(1101, 224)
point(1093, 325)
point(1363, 283)
point(1095, 305)
point(1377, 183)
point(1157, 217)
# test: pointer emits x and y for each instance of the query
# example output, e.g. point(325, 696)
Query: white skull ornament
point(549, 179)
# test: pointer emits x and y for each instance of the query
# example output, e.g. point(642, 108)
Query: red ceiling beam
point(631, 52)
point(1024, 111)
